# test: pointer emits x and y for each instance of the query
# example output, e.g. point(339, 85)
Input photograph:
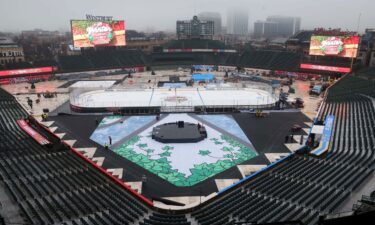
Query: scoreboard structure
point(93, 33)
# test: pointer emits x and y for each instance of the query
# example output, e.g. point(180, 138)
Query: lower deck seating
point(162, 219)
point(54, 186)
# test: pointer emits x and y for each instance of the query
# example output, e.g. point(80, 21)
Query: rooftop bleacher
point(280, 60)
point(195, 44)
point(94, 60)
point(302, 36)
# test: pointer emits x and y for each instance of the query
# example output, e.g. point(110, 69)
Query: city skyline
point(162, 15)
point(237, 21)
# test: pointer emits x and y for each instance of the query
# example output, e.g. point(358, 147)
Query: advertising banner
point(326, 68)
point(88, 33)
point(30, 131)
point(298, 75)
point(26, 79)
point(8, 73)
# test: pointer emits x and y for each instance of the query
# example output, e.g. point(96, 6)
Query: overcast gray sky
point(154, 15)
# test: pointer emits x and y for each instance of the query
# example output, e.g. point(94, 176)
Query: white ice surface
point(164, 97)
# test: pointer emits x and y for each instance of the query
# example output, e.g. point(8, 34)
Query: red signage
point(30, 131)
point(297, 74)
point(7, 73)
point(26, 79)
point(326, 68)
point(136, 69)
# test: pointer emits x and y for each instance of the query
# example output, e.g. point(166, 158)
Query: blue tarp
point(203, 77)
point(203, 67)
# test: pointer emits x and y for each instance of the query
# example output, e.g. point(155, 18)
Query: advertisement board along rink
point(122, 98)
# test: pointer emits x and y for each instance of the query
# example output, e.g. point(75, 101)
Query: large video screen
point(341, 46)
point(87, 33)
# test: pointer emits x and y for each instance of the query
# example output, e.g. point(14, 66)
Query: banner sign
point(26, 79)
point(326, 68)
point(30, 131)
point(8, 73)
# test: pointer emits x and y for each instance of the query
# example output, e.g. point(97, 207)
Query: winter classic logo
point(332, 46)
point(100, 33)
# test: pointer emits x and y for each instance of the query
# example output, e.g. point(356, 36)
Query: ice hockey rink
point(172, 97)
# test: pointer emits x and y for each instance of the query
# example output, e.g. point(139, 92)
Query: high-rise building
point(258, 29)
point(212, 16)
point(287, 26)
point(195, 28)
point(238, 22)
point(277, 26)
point(271, 29)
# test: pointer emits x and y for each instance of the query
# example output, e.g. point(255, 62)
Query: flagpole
point(358, 23)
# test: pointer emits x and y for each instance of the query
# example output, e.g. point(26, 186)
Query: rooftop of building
point(6, 42)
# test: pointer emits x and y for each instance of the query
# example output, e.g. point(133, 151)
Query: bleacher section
point(328, 61)
point(194, 44)
point(277, 60)
point(94, 60)
point(302, 36)
point(189, 59)
point(54, 186)
point(367, 73)
point(162, 219)
point(26, 65)
point(18, 65)
point(57, 187)
point(74, 62)
point(354, 140)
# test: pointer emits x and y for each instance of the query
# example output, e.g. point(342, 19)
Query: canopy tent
point(203, 77)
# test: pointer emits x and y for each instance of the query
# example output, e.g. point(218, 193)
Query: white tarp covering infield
point(172, 97)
